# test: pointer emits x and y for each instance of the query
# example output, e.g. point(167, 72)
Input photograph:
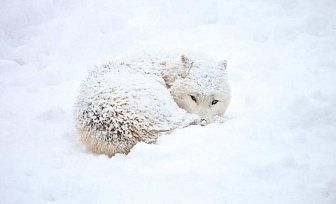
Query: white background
point(278, 144)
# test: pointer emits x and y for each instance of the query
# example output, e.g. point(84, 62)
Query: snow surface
point(278, 144)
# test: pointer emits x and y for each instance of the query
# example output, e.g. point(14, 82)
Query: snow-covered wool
point(128, 100)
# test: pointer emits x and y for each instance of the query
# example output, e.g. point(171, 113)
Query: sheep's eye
point(214, 102)
point(193, 98)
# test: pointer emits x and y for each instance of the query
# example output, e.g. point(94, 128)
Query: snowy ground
point(277, 146)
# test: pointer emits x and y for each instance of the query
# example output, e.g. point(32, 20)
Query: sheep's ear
point(187, 65)
point(223, 64)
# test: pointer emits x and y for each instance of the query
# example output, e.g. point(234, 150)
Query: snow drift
point(277, 145)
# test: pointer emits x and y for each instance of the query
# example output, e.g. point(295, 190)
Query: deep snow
point(278, 144)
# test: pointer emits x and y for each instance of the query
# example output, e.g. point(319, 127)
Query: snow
point(277, 145)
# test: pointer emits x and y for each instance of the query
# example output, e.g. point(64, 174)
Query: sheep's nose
point(203, 122)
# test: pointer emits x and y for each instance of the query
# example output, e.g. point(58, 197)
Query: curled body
point(137, 99)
